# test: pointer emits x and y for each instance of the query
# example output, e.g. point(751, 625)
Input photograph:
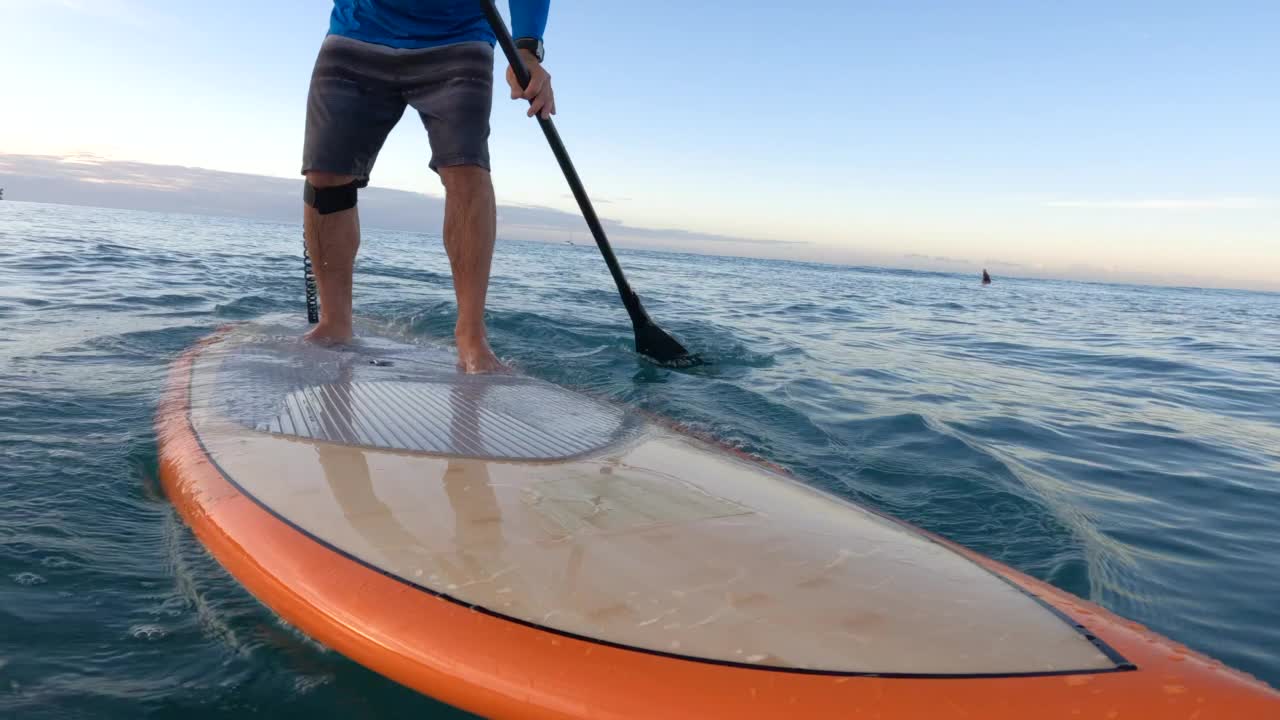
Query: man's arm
point(529, 20)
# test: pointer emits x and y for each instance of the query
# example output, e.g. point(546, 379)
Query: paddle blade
point(658, 345)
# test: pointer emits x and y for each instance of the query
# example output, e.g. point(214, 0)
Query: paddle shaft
point(629, 297)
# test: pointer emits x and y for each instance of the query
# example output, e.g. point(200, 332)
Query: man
point(435, 56)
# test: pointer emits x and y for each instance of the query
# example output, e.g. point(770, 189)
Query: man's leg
point(451, 87)
point(353, 103)
point(333, 240)
point(470, 227)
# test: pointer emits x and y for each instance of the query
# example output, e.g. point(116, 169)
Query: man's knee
point(465, 179)
point(322, 179)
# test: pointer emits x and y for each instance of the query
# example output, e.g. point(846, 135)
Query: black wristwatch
point(533, 45)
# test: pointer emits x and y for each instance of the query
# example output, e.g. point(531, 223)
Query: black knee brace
point(328, 200)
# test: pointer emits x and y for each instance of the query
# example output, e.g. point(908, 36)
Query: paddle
point(651, 340)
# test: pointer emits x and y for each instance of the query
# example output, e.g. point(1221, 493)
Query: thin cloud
point(88, 179)
point(1241, 203)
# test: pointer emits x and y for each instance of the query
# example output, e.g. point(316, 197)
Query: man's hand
point(542, 101)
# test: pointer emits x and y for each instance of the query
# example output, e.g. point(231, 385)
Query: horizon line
point(862, 267)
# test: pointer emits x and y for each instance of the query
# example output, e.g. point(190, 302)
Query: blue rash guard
point(429, 23)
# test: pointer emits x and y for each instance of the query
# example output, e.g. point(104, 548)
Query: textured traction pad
point(469, 420)
point(402, 397)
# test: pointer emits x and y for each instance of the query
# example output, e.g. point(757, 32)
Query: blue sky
point(1126, 137)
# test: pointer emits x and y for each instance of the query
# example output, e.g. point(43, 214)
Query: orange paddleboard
point(523, 551)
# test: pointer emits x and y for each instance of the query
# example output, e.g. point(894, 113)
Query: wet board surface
point(537, 503)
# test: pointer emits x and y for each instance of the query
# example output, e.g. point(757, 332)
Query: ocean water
point(1120, 442)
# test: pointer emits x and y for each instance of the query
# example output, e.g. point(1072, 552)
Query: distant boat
point(986, 279)
point(1, 193)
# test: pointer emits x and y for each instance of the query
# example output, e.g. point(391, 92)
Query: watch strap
point(533, 45)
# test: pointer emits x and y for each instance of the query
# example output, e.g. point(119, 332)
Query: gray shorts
point(360, 90)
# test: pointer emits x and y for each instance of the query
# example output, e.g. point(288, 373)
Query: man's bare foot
point(475, 355)
point(329, 334)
